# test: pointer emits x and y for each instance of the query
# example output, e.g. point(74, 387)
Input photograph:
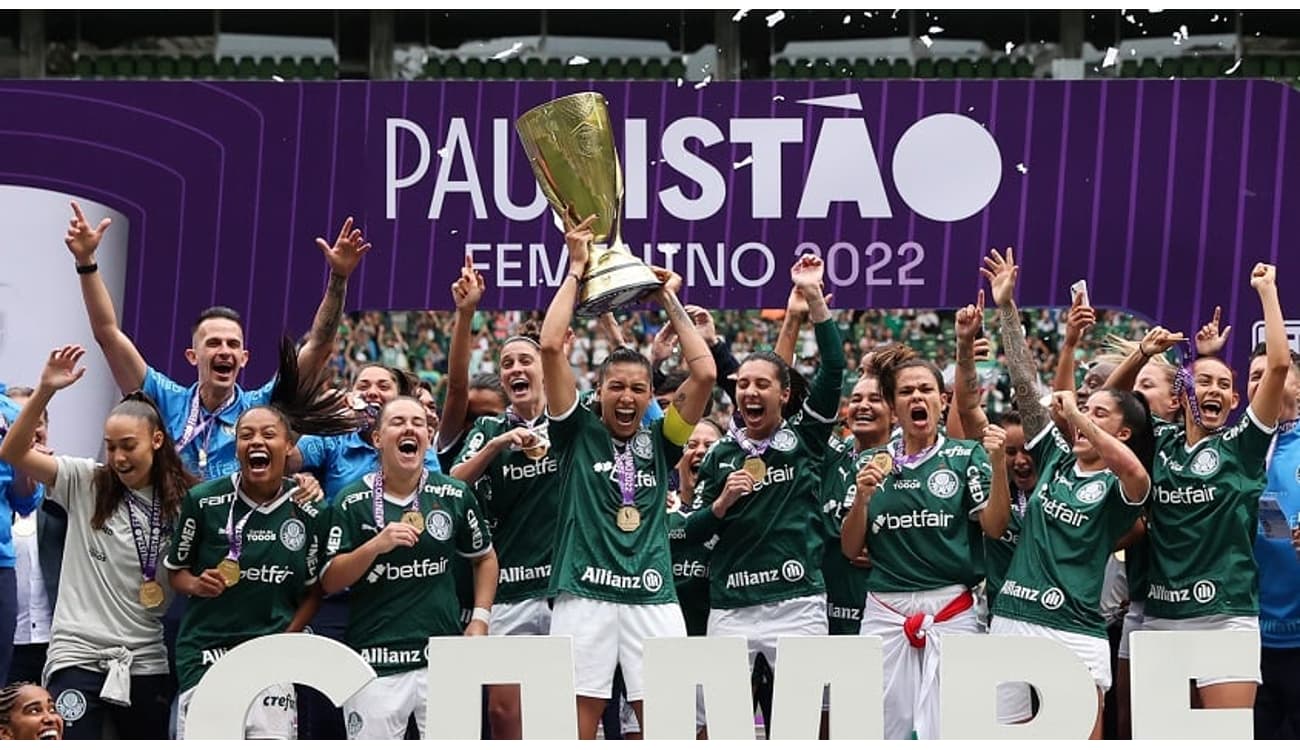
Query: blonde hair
point(1117, 349)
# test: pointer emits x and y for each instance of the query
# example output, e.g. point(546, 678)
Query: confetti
point(1214, 18)
point(847, 19)
point(775, 18)
point(1234, 67)
point(970, 109)
point(1010, 46)
point(1021, 168)
point(455, 232)
point(893, 15)
point(578, 60)
point(745, 163)
point(442, 152)
point(1129, 18)
point(277, 79)
point(1155, 11)
point(926, 41)
point(1111, 55)
point(866, 13)
point(936, 29)
point(705, 82)
point(679, 83)
point(514, 50)
point(778, 98)
point(739, 15)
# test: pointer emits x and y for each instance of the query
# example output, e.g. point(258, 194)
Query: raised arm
point(796, 314)
point(1079, 321)
point(693, 395)
point(1001, 273)
point(466, 292)
point(997, 512)
point(343, 257)
point(824, 390)
point(970, 324)
point(1123, 463)
point(1267, 403)
point(124, 360)
point(561, 389)
point(1156, 341)
point(1210, 340)
point(18, 450)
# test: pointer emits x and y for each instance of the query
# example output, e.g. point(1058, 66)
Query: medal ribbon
point(235, 531)
point(904, 461)
point(1184, 382)
point(193, 426)
point(752, 449)
point(377, 504)
point(146, 549)
point(625, 468)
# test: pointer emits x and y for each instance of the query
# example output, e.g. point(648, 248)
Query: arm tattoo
point(677, 313)
point(330, 313)
point(1024, 377)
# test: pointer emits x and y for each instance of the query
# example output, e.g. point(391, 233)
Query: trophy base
point(616, 279)
point(614, 299)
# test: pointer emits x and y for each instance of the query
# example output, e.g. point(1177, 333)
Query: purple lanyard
point(235, 531)
point(625, 469)
point(1185, 382)
point(904, 461)
point(193, 424)
point(146, 549)
point(752, 449)
point(377, 504)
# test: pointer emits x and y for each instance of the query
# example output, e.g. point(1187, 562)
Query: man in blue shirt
point(21, 495)
point(1277, 702)
point(201, 417)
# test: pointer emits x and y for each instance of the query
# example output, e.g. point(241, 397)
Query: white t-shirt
point(99, 606)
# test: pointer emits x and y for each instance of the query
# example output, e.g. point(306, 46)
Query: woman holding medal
point(612, 575)
point(106, 655)
point(758, 492)
point(246, 553)
point(391, 539)
point(928, 502)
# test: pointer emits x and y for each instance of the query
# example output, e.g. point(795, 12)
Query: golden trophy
point(570, 146)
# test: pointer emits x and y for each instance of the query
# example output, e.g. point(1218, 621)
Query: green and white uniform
point(846, 586)
point(1204, 519)
point(612, 588)
point(998, 552)
point(926, 547)
point(278, 561)
point(765, 573)
point(520, 499)
point(690, 571)
point(1073, 522)
point(406, 595)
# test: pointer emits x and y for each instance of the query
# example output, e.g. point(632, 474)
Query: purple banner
point(1161, 194)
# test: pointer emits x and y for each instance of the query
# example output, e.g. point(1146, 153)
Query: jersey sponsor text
point(520, 573)
point(917, 519)
point(1185, 495)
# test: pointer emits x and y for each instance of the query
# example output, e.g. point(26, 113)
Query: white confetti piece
point(744, 163)
point(1155, 11)
point(1129, 18)
point(847, 19)
point(927, 41)
point(778, 98)
point(705, 82)
point(866, 13)
point(277, 79)
point(1214, 18)
point(970, 109)
point(775, 18)
point(1009, 46)
point(893, 15)
point(1234, 67)
point(739, 15)
point(1112, 55)
point(455, 232)
point(1021, 168)
point(578, 60)
point(514, 50)
point(442, 153)
point(936, 29)
point(679, 83)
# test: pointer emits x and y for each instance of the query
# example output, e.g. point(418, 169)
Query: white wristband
point(481, 614)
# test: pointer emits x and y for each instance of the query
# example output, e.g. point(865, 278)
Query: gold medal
point(755, 468)
point(883, 461)
point(536, 451)
point(229, 570)
point(629, 518)
point(151, 594)
point(413, 519)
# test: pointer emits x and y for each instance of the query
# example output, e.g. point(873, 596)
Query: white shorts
point(627, 722)
point(381, 709)
point(608, 635)
point(1132, 621)
point(1213, 622)
point(762, 624)
point(903, 665)
point(1013, 697)
point(273, 715)
point(529, 617)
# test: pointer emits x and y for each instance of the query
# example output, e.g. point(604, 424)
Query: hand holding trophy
point(570, 145)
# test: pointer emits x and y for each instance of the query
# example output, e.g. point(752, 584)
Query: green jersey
point(1137, 557)
point(1072, 523)
point(409, 593)
point(690, 572)
point(998, 552)
point(770, 542)
point(846, 585)
point(520, 498)
point(593, 557)
point(278, 561)
point(923, 530)
point(1204, 519)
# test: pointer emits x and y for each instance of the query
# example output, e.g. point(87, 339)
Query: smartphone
point(1078, 288)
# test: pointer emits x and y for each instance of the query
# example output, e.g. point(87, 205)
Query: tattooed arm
point(1001, 273)
point(343, 257)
